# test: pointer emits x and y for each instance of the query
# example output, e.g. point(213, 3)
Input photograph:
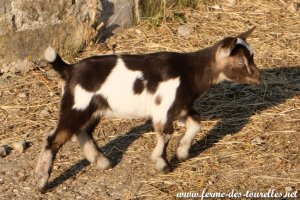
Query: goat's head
point(234, 60)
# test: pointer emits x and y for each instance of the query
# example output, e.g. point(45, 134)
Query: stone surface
point(3, 151)
point(20, 146)
point(183, 30)
point(27, 27)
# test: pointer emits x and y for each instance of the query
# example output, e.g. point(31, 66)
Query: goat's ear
point(227, 45)
point(246, 34)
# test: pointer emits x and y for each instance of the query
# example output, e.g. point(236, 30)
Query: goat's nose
point(258, 83)
point(258, 78)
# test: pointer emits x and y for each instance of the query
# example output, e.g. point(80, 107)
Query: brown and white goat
point(160, 86)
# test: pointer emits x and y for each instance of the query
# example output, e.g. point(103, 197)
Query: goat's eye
point(240, 61)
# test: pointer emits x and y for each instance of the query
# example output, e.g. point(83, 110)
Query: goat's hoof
point(41, 183)
point(167, 169)
point(41, 188)
point(104, 163)
point(182, 158)
point(163, 167)
point(182, 154)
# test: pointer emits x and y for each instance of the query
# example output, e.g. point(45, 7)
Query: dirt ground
point(249, 140)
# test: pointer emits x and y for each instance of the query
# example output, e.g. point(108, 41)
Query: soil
point(249, 140)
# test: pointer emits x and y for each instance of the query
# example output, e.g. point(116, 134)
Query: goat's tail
point(52, 57)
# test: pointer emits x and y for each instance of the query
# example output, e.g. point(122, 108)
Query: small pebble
point(184, 31)
point(180, 124)
point(216, 7)
point(20, 146)
point(257, 141)
point(288, 189)
point(45, 112)
point(138, 31)
point(231, 2)
point(22, 95)
point(294, 7)
point(73, 139)
point(3, 151)
point(1, 181)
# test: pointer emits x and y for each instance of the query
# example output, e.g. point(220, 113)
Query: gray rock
point(22, 95)
point(183, 30)
point(3, 151)
point(45, 113)
point(258, 141)
point(26, 29)
point(288, 189)
point(20, 146)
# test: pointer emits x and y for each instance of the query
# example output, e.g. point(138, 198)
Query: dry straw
point(250, 136)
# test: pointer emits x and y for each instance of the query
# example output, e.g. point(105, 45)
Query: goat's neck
point(205, 72)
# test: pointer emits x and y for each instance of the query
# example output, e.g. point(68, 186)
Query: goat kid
point(160, 86)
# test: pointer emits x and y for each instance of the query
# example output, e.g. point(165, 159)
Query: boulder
point(27, 27)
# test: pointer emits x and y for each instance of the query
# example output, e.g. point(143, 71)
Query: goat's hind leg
point(89, 147)
point(70, 122)
point(51, 145)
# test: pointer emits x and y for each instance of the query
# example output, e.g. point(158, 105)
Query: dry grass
point(250, 136)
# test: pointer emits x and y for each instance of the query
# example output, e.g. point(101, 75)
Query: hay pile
point(250, 136)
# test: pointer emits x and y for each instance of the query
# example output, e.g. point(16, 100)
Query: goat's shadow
point(279, 85)
point(114, 148)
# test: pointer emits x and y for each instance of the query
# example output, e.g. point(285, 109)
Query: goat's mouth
point(254, 80)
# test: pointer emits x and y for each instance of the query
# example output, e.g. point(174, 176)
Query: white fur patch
point(185, 143)
point(157, 153)
point(62, 84)
point(118, 90)
point(43, 166)
point(82, 98)
point(242, 42)
point(167, 91)
point(50, 54)
point(91, 152)
point(44, 162)
point(88, 147)
point(102, 162)
point(160, 164)
point(159, 148)
point(124, 103)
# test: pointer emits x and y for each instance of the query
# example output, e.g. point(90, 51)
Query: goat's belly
point(129, 106)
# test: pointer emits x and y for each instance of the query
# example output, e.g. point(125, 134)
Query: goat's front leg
point(163, 134)
point(192, 124)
